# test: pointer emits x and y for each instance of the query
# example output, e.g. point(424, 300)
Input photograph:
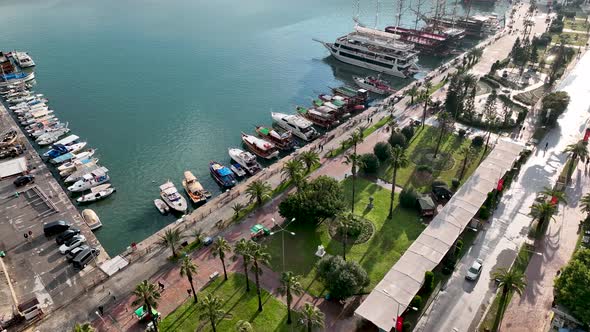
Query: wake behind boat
point(172, 197)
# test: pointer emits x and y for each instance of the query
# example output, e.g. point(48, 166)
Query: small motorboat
point(374, 84)
point(222, 175)
point(75, 174)
point(97, 193)
point(320, 116)
point(23, 59)
point(71, 165)
point(172, 197)
point(161, 206)
point(194, 189)
point(72, 156)
point(90, 180)
point(237, 170)
point(51, 137)
point(8, 138)
point(245, 159)
point(91, 219)
point(260, 147)
point(283, 140)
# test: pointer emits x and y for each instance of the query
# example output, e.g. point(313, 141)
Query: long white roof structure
point(394, 293)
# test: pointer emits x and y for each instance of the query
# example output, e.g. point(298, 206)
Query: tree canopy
point(572, 287)
point(553, 105)
point(321, 198)
point(343, 279)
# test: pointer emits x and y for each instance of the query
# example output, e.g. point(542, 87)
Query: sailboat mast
point(356, 10)
point(454, 14)
point(399, 13)
point(418, 6)
point(376, 13)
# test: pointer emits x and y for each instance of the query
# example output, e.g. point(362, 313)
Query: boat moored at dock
point(260, 147)
point(298, 125)
point(172, 197)
point(374, 84)
point(97, 193)
point(90, 180)
point(222, 175)
point(91, 219)
point(161, 206)
point(283, 140)
point(245, 159)
point(23, 59)
point(194, 189)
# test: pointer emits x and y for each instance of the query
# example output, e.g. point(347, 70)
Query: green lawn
point(425, 141)
point(238, 305)
point(388, 243)
point(571, 38)
point(577, 25)
point(366, 132)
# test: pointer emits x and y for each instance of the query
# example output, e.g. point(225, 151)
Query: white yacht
point(376, 50)
point(90, 180)
point(298, 125)
point(170, 196)
point(245, 159)
point(23, 60)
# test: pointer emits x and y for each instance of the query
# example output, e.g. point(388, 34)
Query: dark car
point(84, 257)
point(65, 236)
point(24, 180)
point(74, 252)
point(55, 227)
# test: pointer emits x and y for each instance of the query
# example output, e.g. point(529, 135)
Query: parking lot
point(34, 264)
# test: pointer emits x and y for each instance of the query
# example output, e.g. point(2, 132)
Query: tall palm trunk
point(173, 251)
point(463, 169)
point(424, 112)
point(571, 167)
point(442, 132)
point(288, 304)
point(246, 273)
point(353, 180)
point(392, 192)
point(309, 327)
point(213, 324)
point(190, 280)
point(154, 318)
point(256, 272)
point(223, 263)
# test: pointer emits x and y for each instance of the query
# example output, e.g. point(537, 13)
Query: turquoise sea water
point(159, 87)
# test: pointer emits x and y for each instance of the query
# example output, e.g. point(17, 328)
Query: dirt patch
point(421, 178)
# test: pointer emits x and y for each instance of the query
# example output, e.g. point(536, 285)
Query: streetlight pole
point(282, 230)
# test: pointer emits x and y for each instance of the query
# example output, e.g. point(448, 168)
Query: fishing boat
point(260, 147)
point(237, 170)
point(15, 78)
point(71, 139)
point(194, 189)
point(23, 59)
point(91, 219)
point(50, 127)
point(60, 149)
point(317, 117)
point(52, 136)
point(75, 174)
point(8, 138)
point(97, 193)
point(161, 206)
point(374, 84)
point(172, 197)
point(48, 117)
point(297, 124)
point(245, 159)
point(70, 166)
point(71, 156)
point(282, 140)
point(222, 175)
point(90, 180)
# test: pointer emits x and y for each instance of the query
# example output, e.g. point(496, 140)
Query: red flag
point(500, 185)
point(399, 324)
point(587, 135)
point(553, 200)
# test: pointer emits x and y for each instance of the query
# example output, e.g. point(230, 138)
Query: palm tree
point(558, 194)
point(170, 239)
point(468, 81)
point(86, 327)
point(444, 122)
point(237, 207)
point(188, 269)
point(576, 150)
point(543, 212)
point(392, 123)
point(467, 152)
point(258, 191)
point(147, 295)
point(244, 249)
point(398, 160)
point(309, 158)
point(426, 98)
point(259, 258)
point(311, 317)
point(244, 326)
point(356, 162)
point(220, 248)
point(585, 204)
point(344, 220)
point(412, 92)
point(509, 280)
point(356, 138)
point(293, 169)
point(210, 308)
point(198, 235)
point(290, 286)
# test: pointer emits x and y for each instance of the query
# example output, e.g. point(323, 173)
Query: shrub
point(439, 183)
point(342, 279)
point(408, 198)
point(462, 133)
point(425, 168)
point(543, 40)
point(407, 326)
point(382, 150)
point(416, 301)
point(458, 248)
point(428, 281)
point(408, 132)
point(398, 139)
point(477, 141)
point(484, 213)
point(455, 184)
point(370, 163)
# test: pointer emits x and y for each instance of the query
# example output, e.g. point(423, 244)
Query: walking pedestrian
point(546, 145)
point(26, 237)
point(161, 286)
point(101, 310)
point(188, 291)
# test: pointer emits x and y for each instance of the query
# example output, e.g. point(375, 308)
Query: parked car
point(84, 257)
point(72, 243)
point(24, 180)
point(475, 270)
point(66, 235)
point(74, 252)
point(207, 241)
point(55, 227)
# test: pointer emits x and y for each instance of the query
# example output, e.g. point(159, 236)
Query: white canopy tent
point(393, 293)
point(13, 167)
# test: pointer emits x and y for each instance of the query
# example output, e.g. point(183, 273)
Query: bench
point(213, 275)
